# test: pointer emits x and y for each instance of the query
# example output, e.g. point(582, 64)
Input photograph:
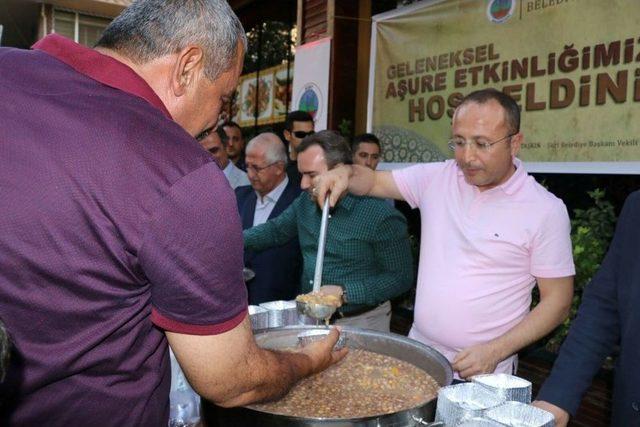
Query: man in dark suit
point(608, 315)
point(271, 192)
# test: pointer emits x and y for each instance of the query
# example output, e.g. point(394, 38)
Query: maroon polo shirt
point(114, 226)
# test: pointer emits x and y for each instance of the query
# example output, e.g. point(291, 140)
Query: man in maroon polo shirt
point(118, 231)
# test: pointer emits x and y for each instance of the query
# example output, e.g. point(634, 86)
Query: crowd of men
point(477, 322)
point(368, 255)
point(121, 235)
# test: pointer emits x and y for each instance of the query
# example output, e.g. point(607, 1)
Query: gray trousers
point(378, 319)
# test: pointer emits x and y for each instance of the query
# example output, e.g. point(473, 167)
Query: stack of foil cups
point(457, 403)
point(281, 313)
point(507, 386)
point(520, 415)
point(479, 422)
point(490, 400)
point(259, 317)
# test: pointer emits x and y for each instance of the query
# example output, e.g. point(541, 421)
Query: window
point(81, 28)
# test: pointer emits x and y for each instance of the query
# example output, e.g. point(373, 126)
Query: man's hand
point(333, 290)
point(561, 416)
point(335, 182)
point(478, 359)
point(321, 352)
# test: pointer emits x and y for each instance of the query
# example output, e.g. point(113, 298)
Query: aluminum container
point(510, 387)
point(398, 346)
point(281, 313)
point(259, 317)
point(459, 402)
point(479, 422)
point(516, 414)
point(307, 337)
point(303, 319)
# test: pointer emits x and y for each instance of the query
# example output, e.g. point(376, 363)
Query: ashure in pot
point(397, 346)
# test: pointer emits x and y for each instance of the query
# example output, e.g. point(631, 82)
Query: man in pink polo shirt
point(490, 232)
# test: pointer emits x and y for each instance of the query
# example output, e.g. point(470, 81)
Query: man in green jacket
point(367, 249)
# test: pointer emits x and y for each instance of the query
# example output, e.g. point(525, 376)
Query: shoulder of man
point(243, 191)
point(375, 208)
point(544, 199)
point(634, 200)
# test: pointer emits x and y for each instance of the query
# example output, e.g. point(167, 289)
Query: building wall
point(348, 23)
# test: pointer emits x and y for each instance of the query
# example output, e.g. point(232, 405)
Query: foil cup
point(303, 319)
point(457, 403)
point(508, 386)
point(518, 414)
point(259, 317)
point(479, 422)
point(281, 313)
point(307, 337)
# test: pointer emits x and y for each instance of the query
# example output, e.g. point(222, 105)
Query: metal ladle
point(319, 311)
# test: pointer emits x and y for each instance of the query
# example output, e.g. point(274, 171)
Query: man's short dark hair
point(230, 123)
point(511, 109)
point(365, 137)
point(224, 138)
point(296, 116)
point(335, 146)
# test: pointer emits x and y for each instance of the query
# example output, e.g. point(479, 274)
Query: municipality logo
point(499, 11)
point(310, 100)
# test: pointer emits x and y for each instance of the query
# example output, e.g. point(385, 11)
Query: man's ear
point(187, 69)
point(516, 143)
point(287, 135)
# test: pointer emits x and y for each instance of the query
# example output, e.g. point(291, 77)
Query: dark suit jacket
point(277, 269)
point(609, 314)
point(293, 173)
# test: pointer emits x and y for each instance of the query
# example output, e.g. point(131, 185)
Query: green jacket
point(367, 249)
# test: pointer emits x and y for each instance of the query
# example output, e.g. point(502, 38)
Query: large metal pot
point(400, 347)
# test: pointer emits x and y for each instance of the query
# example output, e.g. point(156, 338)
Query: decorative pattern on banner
point(572, 65)
point(267, 95)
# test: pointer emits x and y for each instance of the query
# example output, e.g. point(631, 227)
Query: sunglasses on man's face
point(301, 134)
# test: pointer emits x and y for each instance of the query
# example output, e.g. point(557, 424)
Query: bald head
point(271, 145)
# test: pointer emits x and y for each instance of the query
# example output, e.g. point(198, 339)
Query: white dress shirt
point(236, 176)
point(265, 205)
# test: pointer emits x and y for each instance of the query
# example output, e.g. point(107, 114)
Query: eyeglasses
point(481, 144)
point(301, 134)
point(258, 169)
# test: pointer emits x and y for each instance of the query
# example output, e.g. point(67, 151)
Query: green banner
point(572, 65)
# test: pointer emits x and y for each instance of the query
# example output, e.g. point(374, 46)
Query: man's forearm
point(543, 319)
point(230, 369)
point(361, 180)
point(277, 372)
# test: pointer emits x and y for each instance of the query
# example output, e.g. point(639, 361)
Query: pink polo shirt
point(480, 253)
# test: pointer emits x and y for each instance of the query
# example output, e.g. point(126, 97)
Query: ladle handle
point(322, 239)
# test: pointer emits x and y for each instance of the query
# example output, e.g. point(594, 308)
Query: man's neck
point(223, 164)
point(153, 72)
point(263, 194)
